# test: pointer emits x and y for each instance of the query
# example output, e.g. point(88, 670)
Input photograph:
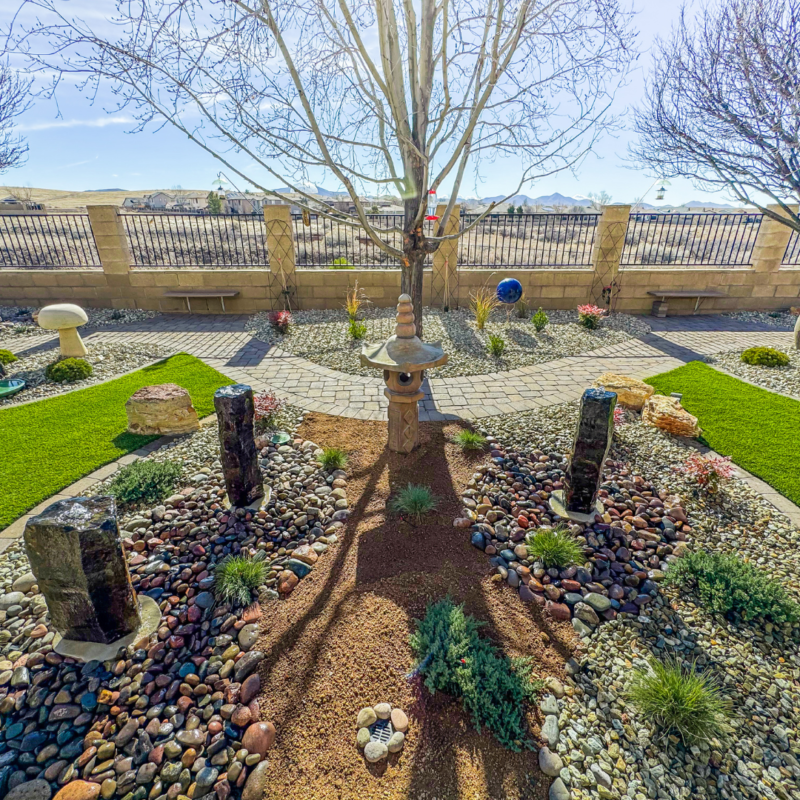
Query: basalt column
point(75, 552)
point(237, 444)
point(592, 440)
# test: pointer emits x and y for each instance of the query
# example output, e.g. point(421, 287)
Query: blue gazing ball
point(509, 290)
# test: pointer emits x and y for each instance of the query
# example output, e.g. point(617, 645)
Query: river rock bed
point(785, 380)
point(778, 319)
point(18, 320)
point(601, 747)
point(108, 360)
point(176, 715)
point(322, 337)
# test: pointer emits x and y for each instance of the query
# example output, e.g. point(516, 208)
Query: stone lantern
point(403, 358)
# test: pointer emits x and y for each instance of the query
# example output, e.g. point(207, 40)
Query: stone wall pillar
point(280, 248)
point(444, 278)
point(609, 239)
point(771, 242)
point(111, 239)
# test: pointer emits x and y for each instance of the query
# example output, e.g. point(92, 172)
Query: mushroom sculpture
point(403, 357)
point(65, 318)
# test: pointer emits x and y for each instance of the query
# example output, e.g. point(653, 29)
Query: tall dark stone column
point(235, 416)
point(592, 440)
point(75, 552)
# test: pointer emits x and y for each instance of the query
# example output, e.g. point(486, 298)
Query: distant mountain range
point(561, 200)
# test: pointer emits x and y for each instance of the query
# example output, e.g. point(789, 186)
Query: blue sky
point(83, 147)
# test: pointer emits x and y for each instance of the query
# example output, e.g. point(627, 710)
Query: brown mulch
point(340, 641)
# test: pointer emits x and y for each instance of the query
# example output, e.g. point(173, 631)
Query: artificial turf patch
point(51, 443)
point(758, 429)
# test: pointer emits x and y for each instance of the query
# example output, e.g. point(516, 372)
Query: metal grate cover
point(381, 731)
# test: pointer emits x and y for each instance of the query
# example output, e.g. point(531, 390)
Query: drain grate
point(381, 731)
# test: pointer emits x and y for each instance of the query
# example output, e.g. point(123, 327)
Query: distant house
point(133, 202)
point(173, 201)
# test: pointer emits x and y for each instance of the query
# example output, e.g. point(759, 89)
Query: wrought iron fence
point(792, 255)
point(527, 241)
point(47, 241)
point(196, 240)
point(690, 240)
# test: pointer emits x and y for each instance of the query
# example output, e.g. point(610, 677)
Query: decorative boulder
point(160, 410)
point(668, 414)
point(630, 392)
point(65, 318)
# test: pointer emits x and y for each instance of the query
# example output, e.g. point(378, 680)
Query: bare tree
point(13, 101)
point(600, 199)
point(723, 104)
point(405, 95)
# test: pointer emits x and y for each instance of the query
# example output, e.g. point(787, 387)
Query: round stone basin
point(11, 386)
point(280, 438)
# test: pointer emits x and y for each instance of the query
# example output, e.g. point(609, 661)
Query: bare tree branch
point(14, 99)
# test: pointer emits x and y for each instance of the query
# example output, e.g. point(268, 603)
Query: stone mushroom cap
point(404, 351)
point(60, 316)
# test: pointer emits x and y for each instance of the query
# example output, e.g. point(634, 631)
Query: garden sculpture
point(403, 357)
point(65, 318)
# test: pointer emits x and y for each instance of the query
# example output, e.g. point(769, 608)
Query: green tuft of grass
point(755, 427)
point(680, 701)
point(238, 576)
point(73, 434)
point(356, 329)
point(414, 500)
point(332, 458)
point(496, 345)
point(554, 547)
point(469, 440)
point(725, 585)
point(145, 481)
point(765, 357)
point(7, 357)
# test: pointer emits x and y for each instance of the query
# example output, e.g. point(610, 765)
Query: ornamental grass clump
point(453, 658)
point(482, 303)
point(68, 370)
point(414, 501)
point(727, 585)
point(238, 576)
point(554, 547)
point(765, 357)
point(496, 345)
point(470, 440)
point(7, 357)
point(145, 481)
point(590, 315)
point(332, 458)
point(539, 320)
point(679, 701)
point(354, 299)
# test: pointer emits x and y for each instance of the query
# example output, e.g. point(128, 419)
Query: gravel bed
point(322, 337)
point(602, 747)
point(177, 716)
point(779, 319)
point(107, 360)
point(785, 380)
point(18, 320)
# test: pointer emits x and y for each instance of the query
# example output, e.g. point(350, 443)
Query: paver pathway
point(223, 342)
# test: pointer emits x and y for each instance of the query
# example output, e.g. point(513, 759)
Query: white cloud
point(100, 122)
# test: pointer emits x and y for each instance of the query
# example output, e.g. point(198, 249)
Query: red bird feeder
point(432, 206)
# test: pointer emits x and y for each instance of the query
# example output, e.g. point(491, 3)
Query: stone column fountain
point(75, 552)
point(403, 357)
point(585, 473)
point(237, 444)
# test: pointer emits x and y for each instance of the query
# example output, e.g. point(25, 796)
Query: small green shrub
point(340, 263)
point(237, 576)
point(765, 357)
point(725, 584)
point(68, 370)
point(470, 440)
point(145, 481)
point(680, 701)
point(414, 500)
point(496, 345)
point(7, 357)
point(356, 329)
point(453, 658)
point(332, 458)
point(554, 547)
point(540, 320)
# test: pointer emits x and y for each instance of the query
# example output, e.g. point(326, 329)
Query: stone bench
point(660, 305)
point(188, 294)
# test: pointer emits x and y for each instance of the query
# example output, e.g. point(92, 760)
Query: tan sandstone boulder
point(630, 392)
point(668, 414)
point(163, 409)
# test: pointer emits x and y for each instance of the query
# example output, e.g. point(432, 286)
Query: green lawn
point(758, 429)
point(50, 444)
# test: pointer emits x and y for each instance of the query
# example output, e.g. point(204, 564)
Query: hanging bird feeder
point(432, 202)
point(661, 190)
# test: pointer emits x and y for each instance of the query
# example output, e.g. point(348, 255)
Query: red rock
point(79, 790)
point(522, 521)
point(241, 716)
point(250, 688)
point(287, 580)
point(156, 754)
point(558, 611)
point(259, 737)
point(570, 586)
